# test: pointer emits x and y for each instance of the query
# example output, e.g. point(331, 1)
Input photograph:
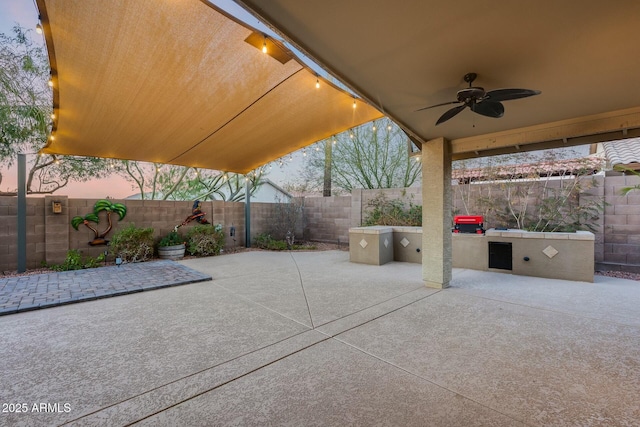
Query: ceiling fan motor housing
point(470, 93)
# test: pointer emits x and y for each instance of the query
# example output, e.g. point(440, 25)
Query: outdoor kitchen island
point(568, 256)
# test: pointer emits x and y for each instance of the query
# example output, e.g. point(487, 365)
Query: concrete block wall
point(36, 245)
point(617, 242)
point(327, 219)
point(621, 245)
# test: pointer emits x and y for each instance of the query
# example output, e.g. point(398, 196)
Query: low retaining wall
point(568, 256)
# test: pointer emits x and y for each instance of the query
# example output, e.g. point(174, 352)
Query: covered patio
point(186, 83)
point(310, 339)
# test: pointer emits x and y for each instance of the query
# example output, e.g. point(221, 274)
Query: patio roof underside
point(175, 82)
point(401, 56)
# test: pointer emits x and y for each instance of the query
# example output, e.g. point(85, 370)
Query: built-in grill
point(473, 224)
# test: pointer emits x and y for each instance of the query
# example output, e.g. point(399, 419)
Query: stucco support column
point(436, 213)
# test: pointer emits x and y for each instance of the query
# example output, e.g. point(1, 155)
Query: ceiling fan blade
point(488, 108)
point(439, 105)
point(450, 113)
point(509, 94)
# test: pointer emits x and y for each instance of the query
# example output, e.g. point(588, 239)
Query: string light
point(374, 126)
point(354, 103)
point(264, 45)
point(335, 141)
point(351, 135)
point(317, 82)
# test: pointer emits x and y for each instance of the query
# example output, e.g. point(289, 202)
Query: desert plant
point(133, 244)
point(171, 239)
point(392, 212)
point(288, 215)
point(205, 240)
point(75, 260)
point(266, 241)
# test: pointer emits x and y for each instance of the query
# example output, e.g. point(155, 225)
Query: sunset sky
point(24, 13)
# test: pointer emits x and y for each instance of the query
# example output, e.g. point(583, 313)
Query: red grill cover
point(468, 219)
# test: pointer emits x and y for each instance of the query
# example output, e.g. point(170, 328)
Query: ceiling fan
point(481, 102)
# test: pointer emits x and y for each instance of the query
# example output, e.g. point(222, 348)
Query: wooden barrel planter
point(171, 252)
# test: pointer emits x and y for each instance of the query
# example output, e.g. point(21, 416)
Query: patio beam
point(565, 133)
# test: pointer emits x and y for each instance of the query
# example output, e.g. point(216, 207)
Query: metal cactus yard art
point(101, 205)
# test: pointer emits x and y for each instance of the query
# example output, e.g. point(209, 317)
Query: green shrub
point(171, 239)
point(263, 240)
point(133, 244)
point(76, 261)
point(205, 240)
point(266, 241)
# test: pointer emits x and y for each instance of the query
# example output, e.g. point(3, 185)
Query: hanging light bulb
point(304, 152)
point(354, 103)
point(50, 82)
point(264, 45)
point(55, 160)
point(317, 82)
point(335, 141)
point(388, 127)
point(374, 126)
point(39, 28)
point(351, 135)
point(291, 157)
point(317, 147)
point(51, 137)
point(53, 116)
point(270, 166)
point(417, 158)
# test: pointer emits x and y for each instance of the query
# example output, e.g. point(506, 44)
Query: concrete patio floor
point(310, 339)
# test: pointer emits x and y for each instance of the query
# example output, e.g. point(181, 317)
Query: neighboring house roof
point(588, 165)
point(268, 190)
point(622, 152)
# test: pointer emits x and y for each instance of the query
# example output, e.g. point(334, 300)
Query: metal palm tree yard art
point(101, 205)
